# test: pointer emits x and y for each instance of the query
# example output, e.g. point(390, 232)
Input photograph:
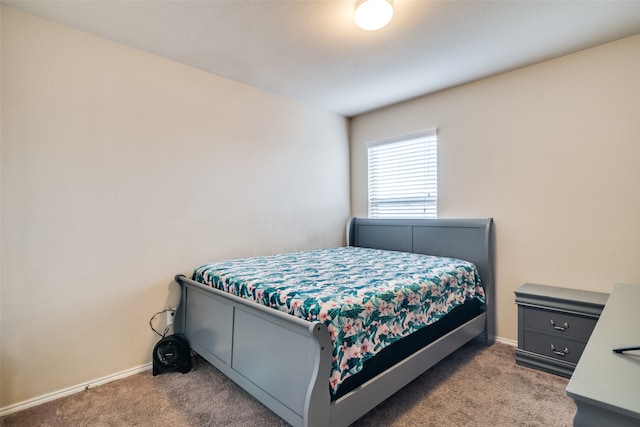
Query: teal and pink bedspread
point(368, 298)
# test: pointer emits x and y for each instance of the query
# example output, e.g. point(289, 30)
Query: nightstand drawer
point(562, 324)
point(553, 346)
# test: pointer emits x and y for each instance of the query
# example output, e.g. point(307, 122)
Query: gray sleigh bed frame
point(236, 335)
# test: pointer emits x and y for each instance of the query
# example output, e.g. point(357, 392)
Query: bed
point(294, 365)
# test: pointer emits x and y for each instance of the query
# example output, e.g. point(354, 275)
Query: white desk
point(606, 385)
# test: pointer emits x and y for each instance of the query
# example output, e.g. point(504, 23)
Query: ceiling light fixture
point(372, 15)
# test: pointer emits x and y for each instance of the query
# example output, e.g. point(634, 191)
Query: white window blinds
point(403, 177)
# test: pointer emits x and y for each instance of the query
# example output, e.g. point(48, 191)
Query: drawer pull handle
point(560, 353)
point(564, 326)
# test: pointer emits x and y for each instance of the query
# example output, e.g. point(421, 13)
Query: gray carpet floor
point(476, 386)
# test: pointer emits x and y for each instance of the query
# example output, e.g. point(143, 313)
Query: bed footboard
point(244, 341)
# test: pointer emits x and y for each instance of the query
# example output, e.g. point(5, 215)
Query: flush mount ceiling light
point(373, 14)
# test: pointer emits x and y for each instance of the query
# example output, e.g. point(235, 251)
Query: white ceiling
point(311, 50)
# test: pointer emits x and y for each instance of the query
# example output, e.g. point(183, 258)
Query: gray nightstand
point(554, 325)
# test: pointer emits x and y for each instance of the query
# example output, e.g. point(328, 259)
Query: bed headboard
point(467, 239)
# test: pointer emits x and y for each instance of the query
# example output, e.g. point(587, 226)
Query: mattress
point(368, 298)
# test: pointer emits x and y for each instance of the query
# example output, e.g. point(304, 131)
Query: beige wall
point(550, 152)
point(121, 169)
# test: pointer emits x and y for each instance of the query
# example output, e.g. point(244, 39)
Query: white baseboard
point(512, 343)
point(72, 390)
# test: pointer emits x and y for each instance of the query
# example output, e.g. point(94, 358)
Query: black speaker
point(172, 354)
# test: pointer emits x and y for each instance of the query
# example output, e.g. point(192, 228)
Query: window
point(403, 177)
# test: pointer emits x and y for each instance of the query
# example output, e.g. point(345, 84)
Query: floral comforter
point(368, 298)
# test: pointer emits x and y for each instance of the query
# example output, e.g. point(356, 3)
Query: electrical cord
point(162, 335)
point(194, 360)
